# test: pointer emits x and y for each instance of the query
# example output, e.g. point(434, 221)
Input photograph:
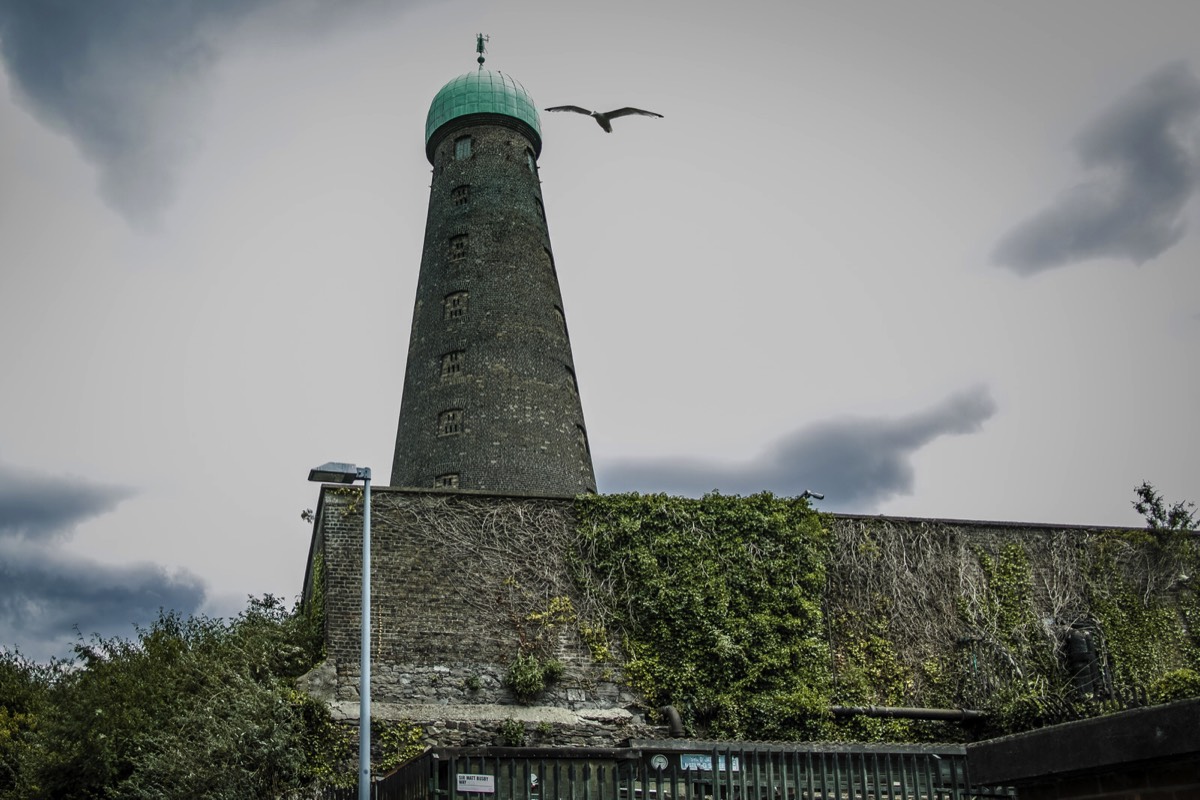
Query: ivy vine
point(718, 604)
point(754, 615)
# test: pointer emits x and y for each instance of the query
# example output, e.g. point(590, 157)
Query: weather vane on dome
point(479, 47)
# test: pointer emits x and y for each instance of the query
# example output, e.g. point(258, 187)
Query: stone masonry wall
point(924, 585)
point(464, 581)
point(458, 583)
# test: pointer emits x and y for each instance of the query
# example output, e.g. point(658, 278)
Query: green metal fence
point(672, 770)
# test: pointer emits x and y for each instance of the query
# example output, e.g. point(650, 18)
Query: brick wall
point(455, 579)
point(459, 577)
point(487, 242)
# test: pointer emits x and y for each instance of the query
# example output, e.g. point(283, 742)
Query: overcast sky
point(935, 259)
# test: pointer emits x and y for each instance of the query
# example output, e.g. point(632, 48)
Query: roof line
point(982, 523)
point(987, 523)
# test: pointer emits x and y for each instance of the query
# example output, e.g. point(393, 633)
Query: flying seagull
point(605, 118)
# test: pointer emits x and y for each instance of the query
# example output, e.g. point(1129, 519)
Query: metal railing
point(686, 771)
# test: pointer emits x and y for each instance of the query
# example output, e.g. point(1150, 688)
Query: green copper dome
point(481, 92)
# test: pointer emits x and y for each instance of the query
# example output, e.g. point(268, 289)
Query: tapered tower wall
point(490, 397)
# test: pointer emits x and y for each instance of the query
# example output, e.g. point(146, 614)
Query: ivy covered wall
point(1032, 624)
point(755, 617)
point(717, 606)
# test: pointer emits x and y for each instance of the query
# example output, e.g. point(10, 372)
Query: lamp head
point(338, 472)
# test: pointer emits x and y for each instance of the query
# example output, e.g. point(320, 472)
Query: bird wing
point(624, 112)
point(576, 109)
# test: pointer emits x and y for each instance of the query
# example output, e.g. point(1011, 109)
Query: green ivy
point(312, 612)
point(718, 603)
point(397, 743)
point(869, 672)
point(1009, 603)
point(512, 733)
point(1176, 685)
point(528, 675)
point(718, 606)
point(1148, 633)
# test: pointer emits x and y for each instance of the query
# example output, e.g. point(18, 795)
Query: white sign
point(483, 784)
point(704, 762)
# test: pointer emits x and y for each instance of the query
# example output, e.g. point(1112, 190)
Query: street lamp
point(815, 495)
point(338, 472)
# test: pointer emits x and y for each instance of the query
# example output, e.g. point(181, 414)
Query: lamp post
point(338, 472)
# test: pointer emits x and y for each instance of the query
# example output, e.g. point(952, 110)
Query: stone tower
point(490, 397)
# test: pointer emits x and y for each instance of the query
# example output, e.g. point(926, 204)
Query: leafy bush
point(192, 707)
point(1178, 685)
point(23, 689)
point(528, 676)
point(512, 733)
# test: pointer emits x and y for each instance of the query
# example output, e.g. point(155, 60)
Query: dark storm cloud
point(855, 462)
point(38, 506)
point(121, 78)
point(48, 599)
point(1145, 154)
point(47, 594)
point(126, 79)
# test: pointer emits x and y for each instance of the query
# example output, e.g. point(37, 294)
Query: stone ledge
point(347, 711)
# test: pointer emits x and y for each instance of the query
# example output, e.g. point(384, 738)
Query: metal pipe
point(674, 721)
point(364, 659)
point(947, 714)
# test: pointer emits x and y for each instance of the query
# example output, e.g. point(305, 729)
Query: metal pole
point(364, 688)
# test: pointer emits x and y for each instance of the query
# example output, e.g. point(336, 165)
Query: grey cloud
point(122, 79)
point(48, 599)
point(1145, 154)
point(126, 80)
point(47, 594)
point(40, 507)
point(856, 462)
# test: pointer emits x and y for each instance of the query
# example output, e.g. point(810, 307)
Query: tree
point(23, 686)
point(1160, 517)
point(193, 707)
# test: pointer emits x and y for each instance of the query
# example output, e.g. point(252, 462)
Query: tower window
point(530, 161)
point(461, 195)
point(462, 148)
point(447, 481)
point(571, 382)
point(450, 422)
point(458, 247)
point(550, 260)
point(562, 321)
point(452, 363)
point(581, 434)
point(541, 209)
point(454, 305)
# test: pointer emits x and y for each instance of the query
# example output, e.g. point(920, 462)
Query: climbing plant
point(946, 615)
point(756, 616)
point(718, 605)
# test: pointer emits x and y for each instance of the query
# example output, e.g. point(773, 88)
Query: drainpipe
point(674, 721)
point(947, 714)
